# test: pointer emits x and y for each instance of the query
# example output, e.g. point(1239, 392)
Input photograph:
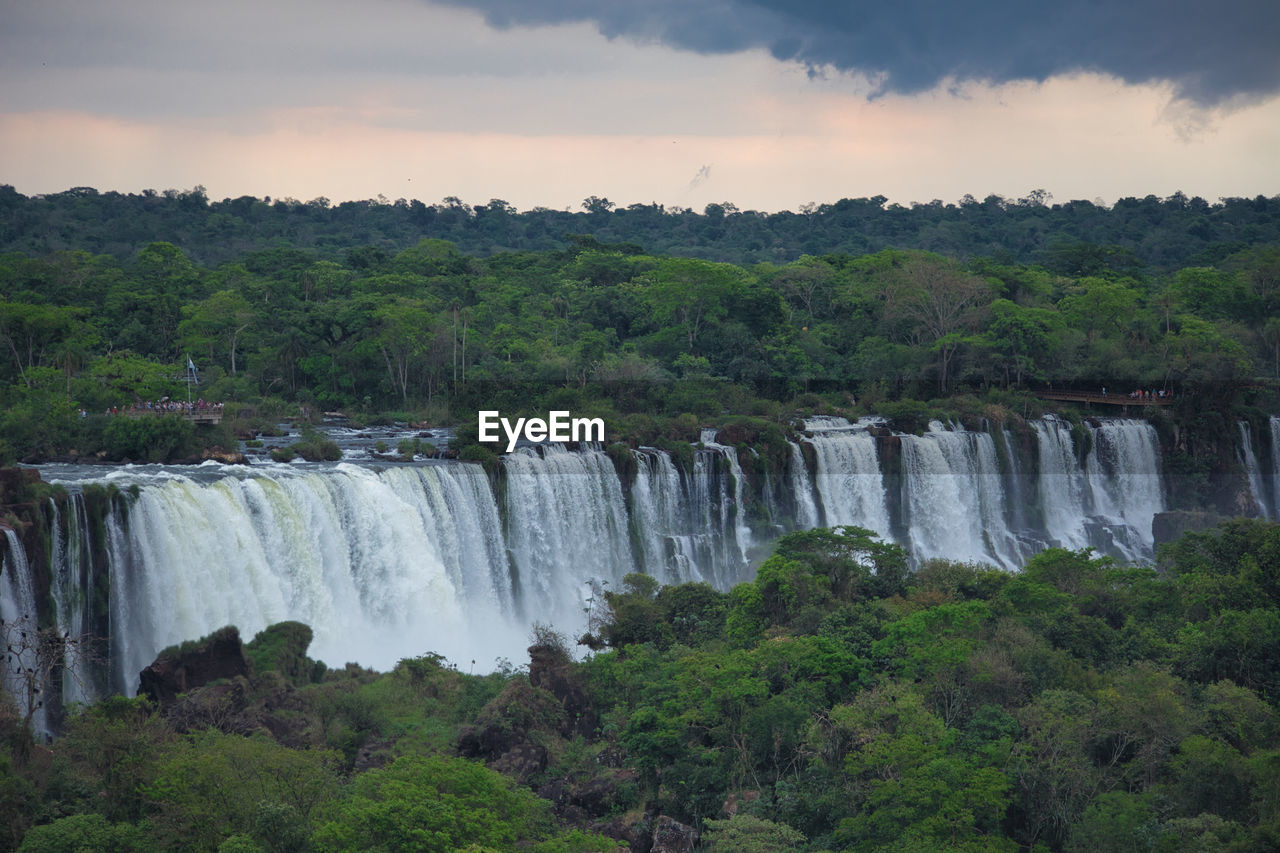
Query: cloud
point(703, 175)
point(1208, 54)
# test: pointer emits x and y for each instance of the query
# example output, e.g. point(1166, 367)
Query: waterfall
point(953, 492)
point(1108, 501)
point(1250, 462)
point(662, 520)
point(680, 522)
point(381, 565)
point(71, 583)
point(395, 562)
point(392, 561)
point(1017, 496)
point(1124, 478)
point(1275, 466)
point(801, 489)
point(849, 481)
point(1062, 487)
point(741, 530)
point(26, 653)
point(566, 526)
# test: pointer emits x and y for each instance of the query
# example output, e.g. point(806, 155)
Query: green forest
point(381, 319)
point(838, 702)
point(842, 700)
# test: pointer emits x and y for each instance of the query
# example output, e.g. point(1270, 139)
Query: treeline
point(605, 329)
point(1071, 238)
point(839, 701)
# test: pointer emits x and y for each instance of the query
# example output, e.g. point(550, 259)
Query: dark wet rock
point(602, 794)
point(375, 753)
point(556, 791)
point(180, 669)
point(1170, 526)
point(522, 761)
point(672, 836)
point(636, 835)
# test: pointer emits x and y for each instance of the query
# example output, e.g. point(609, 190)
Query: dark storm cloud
point(1208, 51)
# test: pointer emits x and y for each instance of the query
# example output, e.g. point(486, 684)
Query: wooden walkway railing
point(1098, 397)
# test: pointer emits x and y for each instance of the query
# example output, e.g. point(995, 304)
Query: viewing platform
point(1097, 397)
point(195, 416)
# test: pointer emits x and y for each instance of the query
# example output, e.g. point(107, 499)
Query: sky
point(765, 104)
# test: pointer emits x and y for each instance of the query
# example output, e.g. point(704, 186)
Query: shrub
point(150, 438)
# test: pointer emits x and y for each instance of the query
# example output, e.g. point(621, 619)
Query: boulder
point(521, 761)
point(1169, 526)
point(672, 836)
point(635, 835)
point(179, 669)
point(376, 752)
point(600, 795)
point(221, 454)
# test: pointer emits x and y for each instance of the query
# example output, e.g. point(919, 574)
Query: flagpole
point(191, 377)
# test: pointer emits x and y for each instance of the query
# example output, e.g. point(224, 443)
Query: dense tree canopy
point(432, 331)
point(837, 702)
point(1072, 238)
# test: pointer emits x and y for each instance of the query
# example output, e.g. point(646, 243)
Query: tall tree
point(937, 303)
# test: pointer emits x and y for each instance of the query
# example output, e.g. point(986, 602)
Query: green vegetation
point(1072, 237)
point(656, 345)
point(838, 702)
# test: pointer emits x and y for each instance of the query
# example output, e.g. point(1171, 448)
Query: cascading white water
point(741, 530)
point(1109, 501)
point(1250, 462)
point(25, 653)
point(384, 564)
point(1016, 491)
point(849, 481)
point(70, 584)
point(395, 562)
point(566, 525)
point(680, 523)
point(661, 520)
point(801, 489)
point(381, 565)
point(1062, 486)
point(954, 497)
point(1275, 467)
point(1124, 479)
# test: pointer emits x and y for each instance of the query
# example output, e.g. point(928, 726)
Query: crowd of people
point(165, 406)
point(1148, 394)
